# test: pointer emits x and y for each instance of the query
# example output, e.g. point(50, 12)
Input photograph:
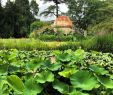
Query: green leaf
point(106, 81)
point(4, 89)
point(78, 55)
point(45, 76)
point(13, 55)
point(83, 80)
point(34, 64)
point(16, 83)
point(77, 93)
point(64, 57)
point(67, 72)
point(31, 87)
point(52, 67)
point(98, 70)
point(3, 69)
point(61, 87)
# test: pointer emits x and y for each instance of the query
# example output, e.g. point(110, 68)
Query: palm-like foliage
point(53, 9)
point(50, 11)
point(55, 1)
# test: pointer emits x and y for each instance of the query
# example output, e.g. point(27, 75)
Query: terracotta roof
point(63, 21)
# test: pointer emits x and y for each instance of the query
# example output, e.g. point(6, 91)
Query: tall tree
point(9, 19)
point(87, 12)
point(16, 17)
point(50, 11)
point(34, 8)
point(24, 17)
point(1, 18)
point(53, 9)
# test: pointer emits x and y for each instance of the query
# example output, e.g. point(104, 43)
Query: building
point(64, 24)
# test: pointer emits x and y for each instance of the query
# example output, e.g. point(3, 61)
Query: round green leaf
point(106, 81)
point(45, 76)
point(61, 87)
point(52, 67)
point(34, 64)
point(83, 80)
point(77, 93)
point(64, 57)
point(32, 88)
point(98, 70)
point(67, 72)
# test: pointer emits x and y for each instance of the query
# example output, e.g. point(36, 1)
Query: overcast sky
point(43, 6)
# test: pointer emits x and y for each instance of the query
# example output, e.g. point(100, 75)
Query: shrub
point(103, 43)
point(102, 28)
point(37, 25)
point(45, 37)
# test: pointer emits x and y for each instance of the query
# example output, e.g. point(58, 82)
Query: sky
point(43, 6)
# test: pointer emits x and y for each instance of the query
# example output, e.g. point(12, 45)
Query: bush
point(37, 25)
point(89, 43)
point(45, 37)
point(103, 43)
point(102, 28)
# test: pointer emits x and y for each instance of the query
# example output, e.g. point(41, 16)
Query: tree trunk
point(0, 3)
point(57, 14)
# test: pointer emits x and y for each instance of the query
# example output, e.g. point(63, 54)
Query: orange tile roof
point(63, 21)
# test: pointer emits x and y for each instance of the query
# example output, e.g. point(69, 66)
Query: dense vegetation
point(16, 17)
point(47, 62)
point(55, 72)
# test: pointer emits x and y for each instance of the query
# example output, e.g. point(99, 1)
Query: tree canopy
point(89, 12)
point(53, 9)
point(16, 17)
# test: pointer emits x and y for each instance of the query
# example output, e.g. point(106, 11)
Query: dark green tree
point(16, 17)
point(1, 17)
point(24, 17)
point(34, 8)
point(9, 19)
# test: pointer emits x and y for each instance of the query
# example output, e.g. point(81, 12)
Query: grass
point(33, 44)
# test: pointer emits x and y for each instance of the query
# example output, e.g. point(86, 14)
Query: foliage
point(37, 25)
point(16, 18)
point(89, 12)
point(56, 37)
point(35, 44)
point(53, 10)
point(103, 43)
point(102, 28)
point(71, 72)
point(34, 8)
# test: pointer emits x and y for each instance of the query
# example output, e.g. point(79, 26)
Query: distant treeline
point(16, 17)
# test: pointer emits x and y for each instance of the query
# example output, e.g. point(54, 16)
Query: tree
point(1, 17)
point(9, 19)
point(50, 11)
point(24, 17)
point(87, 12)
point(53, 9)
point(16, 17)
point(34, 8)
